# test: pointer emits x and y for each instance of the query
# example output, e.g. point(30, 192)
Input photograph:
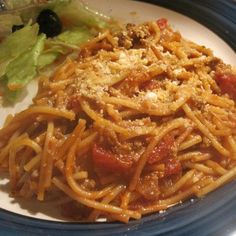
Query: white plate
point(126, 11)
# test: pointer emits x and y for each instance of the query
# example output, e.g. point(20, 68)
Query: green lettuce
point(24, 68)
point(76, 13)
point(9, 96)
point(75, 36)
point(63, 44)
point(6, 23)
point(15, 44)
point(14, 4)
point(47, 59)
point(72, 12)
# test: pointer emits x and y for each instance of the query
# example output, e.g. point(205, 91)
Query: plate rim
point(14, 217)
point(211, 15)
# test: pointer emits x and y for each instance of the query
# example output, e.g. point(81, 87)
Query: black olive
point(16, 27)
point(49, 23)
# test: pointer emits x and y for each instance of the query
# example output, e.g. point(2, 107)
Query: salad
point(34, 37)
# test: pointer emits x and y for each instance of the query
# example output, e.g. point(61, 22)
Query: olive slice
point(49, 23)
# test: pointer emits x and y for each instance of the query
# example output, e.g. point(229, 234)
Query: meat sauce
point(162, 153)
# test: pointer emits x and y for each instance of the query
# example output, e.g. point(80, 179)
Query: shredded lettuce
point(54, 45)
point(75, 36)
point(14, 4)
point(65, 42)
point(47, 59)
point(71, 12)
point(24, 68)
point(6, 23)
point(76, 14)
point(55, 49)
point(15, 44)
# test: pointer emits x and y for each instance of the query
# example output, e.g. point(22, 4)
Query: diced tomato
point(162, 23)
point(108, 161)
point(172, 166)
point(162, 150)
point(227, 83)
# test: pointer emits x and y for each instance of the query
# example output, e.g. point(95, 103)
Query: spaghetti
point(141, 120)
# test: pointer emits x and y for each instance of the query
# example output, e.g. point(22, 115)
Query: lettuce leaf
point(75, 36)
point(15, 44)
point(24, 68)
point(71, 12)
point(9, 96)
point(47, 59)
point(6, 23)
point(14, 4)
point(76, 13)
point(54, 49)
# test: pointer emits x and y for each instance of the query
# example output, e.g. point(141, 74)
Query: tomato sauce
point(227, 83)
point(109, 161)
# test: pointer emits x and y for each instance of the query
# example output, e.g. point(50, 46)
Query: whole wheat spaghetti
point(141, 120)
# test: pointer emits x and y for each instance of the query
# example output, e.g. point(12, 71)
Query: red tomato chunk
point(162, 150)
point(172, 167)
point(108, 161)
point(162, 23)
point(227, 83)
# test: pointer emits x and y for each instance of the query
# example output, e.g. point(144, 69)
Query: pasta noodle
point(137, 123)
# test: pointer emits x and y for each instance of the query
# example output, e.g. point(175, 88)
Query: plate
point(196, 217)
